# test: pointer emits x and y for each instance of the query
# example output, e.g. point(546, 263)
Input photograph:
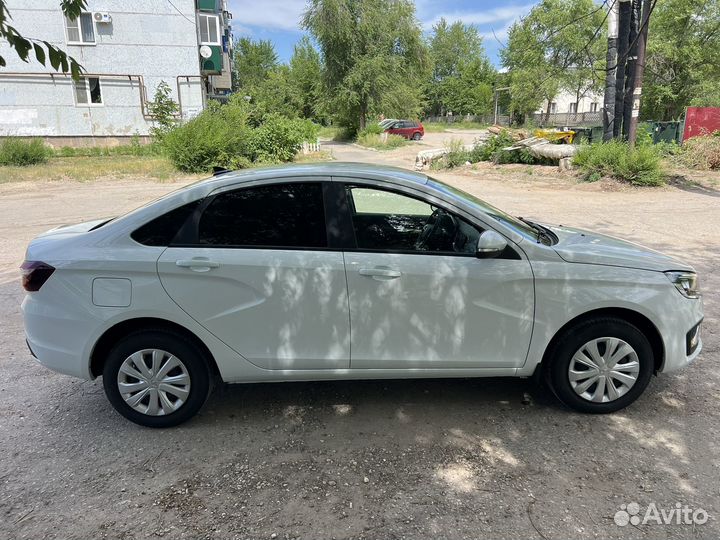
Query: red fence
point(701, 121)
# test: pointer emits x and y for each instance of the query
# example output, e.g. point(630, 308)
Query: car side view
point(409, 129)
point(348, 271)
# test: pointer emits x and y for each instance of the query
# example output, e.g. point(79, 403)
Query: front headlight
point(685, 282)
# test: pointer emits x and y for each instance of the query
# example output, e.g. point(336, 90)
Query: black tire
point(416, 136)
point(192, 357)
point(574, 338)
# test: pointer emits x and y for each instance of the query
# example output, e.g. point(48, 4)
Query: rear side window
point(280, 215)
point(161, 230)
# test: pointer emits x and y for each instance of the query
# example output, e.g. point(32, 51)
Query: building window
point(80, 31)
point(553, 108)
point(593, 107)
point(87, 91)
point(209, 29)
point(573, 108)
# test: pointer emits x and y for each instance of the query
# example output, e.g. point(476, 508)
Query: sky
point(279, 20)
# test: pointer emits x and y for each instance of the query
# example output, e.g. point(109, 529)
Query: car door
point(396, 128)
point(421, 304)
point(255, 269)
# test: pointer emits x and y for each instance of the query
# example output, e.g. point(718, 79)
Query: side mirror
point(490, 244)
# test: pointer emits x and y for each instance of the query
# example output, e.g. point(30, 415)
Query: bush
point(457, 156)
point(702, 152)
point(639, 166)
point(216, 137)
point(492, 150)
point(23, 152)
point(370, 129)
point(278, 139)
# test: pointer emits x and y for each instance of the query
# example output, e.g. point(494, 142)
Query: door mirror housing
point(490, 244)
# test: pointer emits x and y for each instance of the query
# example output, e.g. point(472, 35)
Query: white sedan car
point(348, 271)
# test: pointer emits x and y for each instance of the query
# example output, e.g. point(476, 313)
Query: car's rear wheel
point(156, 378)
point(416, 136)
point(601, 365)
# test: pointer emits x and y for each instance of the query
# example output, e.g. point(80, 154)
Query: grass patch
point(374, 140)
point(314, 157)
point(23, 152)
point(86, 169)
point(701, 152)
point(439, 127)
point(640, 166)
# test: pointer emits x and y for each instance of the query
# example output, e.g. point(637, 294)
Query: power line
point(180, 12)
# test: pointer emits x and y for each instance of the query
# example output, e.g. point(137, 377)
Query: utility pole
point(635, 20)
point(623, 45)
point(639, 71)
point(609, 100)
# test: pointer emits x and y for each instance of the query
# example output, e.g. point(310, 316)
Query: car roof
point(345, 170)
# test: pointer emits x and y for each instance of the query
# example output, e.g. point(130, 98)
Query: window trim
point(573, 105)
point(217, 29)
point(87, 93)
point(594, 107)
point(82, 43)
point(188, 234)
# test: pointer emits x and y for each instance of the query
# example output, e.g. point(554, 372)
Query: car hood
point(587, 247)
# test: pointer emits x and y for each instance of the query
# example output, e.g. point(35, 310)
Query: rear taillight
point(35, 274)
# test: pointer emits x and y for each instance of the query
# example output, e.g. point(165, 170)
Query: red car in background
point(407, 128)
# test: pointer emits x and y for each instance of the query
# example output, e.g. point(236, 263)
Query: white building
point(126, 48)
point(568, 103)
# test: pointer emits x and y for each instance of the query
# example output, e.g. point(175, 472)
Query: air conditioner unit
point(102, 17)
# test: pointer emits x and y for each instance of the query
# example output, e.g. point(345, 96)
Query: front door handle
point(380, 273)
point(198, 264)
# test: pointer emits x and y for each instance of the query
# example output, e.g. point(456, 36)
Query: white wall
point(564, 99)
point(147, 38)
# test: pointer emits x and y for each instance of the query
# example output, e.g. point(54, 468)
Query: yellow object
point(556, 135)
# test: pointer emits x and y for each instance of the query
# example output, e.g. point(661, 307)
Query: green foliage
point(135, 148)
point(683, 58)
point(374, 140)
point(560, 44)
point(164, 110)
point(252, 61)
point(223, 136)
point(457, 155)
point(59, 59)
point(462, 76)
point(372, 128)
point(702, 152)
point(21, 152)
point(214, 138)
point(639, 166)
point(374, 57)
point(278, 139)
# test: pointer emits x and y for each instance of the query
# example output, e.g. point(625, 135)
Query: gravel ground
point(400, 459)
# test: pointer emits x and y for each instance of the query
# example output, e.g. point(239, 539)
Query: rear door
point(257, 271)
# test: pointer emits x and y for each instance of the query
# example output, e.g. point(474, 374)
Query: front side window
point(87, 91)
point(389, 221)
point(209, 29)
point(80, 30)
point(281, 215)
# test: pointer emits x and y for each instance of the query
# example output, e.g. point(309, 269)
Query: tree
point(164, 110)
point(252, 61)
point(683, 58)
point(374, 57)
point(559, 45)
point(462, 75)
point(306, 79)
point(59, 60)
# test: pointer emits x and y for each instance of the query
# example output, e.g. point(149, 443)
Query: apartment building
point(126, 48)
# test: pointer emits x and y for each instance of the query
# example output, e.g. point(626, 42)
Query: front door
point(420, 298)
point(258, 274)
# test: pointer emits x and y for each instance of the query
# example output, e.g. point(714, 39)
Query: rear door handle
point(380, 273)
point(198, 264)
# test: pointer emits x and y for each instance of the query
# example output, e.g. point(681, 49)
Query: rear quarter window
point(161, 230)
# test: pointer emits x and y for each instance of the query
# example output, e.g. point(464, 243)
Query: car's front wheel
point(601, 365)
point(156, 378)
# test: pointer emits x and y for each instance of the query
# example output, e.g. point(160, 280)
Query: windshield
point(506, 219)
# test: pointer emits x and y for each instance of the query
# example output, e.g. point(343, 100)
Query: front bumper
point(682, 337)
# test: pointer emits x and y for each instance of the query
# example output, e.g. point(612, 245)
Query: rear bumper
point(54, 339)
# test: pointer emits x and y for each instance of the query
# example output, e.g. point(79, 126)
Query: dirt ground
point(401, 459)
